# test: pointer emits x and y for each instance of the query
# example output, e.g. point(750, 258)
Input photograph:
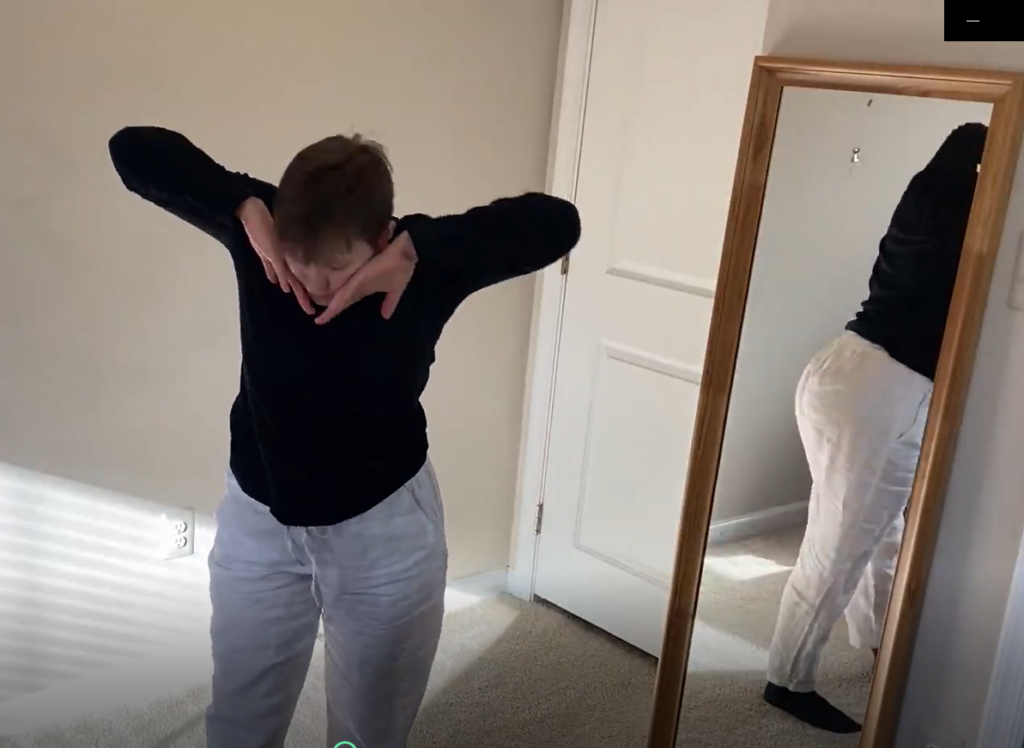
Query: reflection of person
point(861, 407)
point(332, 508)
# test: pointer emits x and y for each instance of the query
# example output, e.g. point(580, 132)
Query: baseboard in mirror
point(759, 523)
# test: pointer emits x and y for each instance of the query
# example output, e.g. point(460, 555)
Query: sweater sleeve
point(506, 239)
point(168, 170)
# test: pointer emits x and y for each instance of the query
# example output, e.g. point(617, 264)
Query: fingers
point(390, 303)
point(268, 267)
point(282, 277)
point(302, 296)
point(343, 299)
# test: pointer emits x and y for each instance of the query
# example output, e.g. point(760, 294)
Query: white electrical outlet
point(177, 533)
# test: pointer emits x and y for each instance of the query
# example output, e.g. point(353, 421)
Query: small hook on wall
point(855, 157)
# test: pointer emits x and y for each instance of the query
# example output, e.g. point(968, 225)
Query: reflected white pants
point(377, 580)
point(861, 417)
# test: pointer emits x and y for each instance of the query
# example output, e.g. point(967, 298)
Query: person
point(861, 407)
point(332, 510)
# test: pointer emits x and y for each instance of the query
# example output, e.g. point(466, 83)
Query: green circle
point(345, 744)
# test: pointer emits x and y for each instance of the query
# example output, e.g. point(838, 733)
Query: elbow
point(123, 142)
point(134, 150)
point(135, 140)
point(570, 227)
point(562, 226)
point(124, 149)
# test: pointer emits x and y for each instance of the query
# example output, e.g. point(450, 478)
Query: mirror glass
point(865, 210)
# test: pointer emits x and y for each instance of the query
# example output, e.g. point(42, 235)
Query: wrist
point(245, 207)
point(408, 248)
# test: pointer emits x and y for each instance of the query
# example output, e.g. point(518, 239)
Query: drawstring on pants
point(306, 534)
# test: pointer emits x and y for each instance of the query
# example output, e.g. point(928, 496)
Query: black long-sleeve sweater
point(911, 285)
point(327, 422)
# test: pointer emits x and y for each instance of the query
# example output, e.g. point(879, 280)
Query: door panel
point(632, 392)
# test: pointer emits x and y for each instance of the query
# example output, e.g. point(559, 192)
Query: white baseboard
point(520, 581)
point(758, 523)
point(187, 665)
point(133, 685)
point(481, 586)
point(764, 522)
point(98, 552)
point(1002, 724)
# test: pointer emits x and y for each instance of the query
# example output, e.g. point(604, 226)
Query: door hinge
point(540, 519)
point(565, 265)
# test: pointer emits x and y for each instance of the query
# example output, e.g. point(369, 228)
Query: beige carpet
point(510, 674)
point(723, 708)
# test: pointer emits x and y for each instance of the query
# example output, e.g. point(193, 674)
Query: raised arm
point(506, 239)
point(167, 169)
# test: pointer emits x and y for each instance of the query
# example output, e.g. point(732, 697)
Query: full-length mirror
point(854, 209)
point(865, 209)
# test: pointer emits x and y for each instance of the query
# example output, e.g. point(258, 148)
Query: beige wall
point(118, 325)
point(821, 223)
point(984, 513)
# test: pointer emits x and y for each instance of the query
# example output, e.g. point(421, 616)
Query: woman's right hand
point(259, 226)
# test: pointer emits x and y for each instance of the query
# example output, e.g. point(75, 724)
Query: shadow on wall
point(84, 589)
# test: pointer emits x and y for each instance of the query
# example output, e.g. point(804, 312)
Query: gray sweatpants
point(378, 582)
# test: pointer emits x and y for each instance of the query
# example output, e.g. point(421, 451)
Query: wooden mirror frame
point(981, 243)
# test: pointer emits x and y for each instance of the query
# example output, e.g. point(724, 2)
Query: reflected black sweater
point(327, 422)
point(912, 281)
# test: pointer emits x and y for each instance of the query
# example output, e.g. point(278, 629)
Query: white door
point(664, 110)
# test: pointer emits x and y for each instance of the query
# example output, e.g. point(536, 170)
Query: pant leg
point(865, 615)
point(264, 628)
point(854, 405)
point(381, 580)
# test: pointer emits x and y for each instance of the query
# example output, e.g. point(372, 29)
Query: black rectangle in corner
point(966, 21)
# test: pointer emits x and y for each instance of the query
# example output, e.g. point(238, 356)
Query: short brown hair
point(333, 193)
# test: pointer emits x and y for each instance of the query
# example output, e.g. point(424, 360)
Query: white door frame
point(578, 19)
point(1002, 724)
